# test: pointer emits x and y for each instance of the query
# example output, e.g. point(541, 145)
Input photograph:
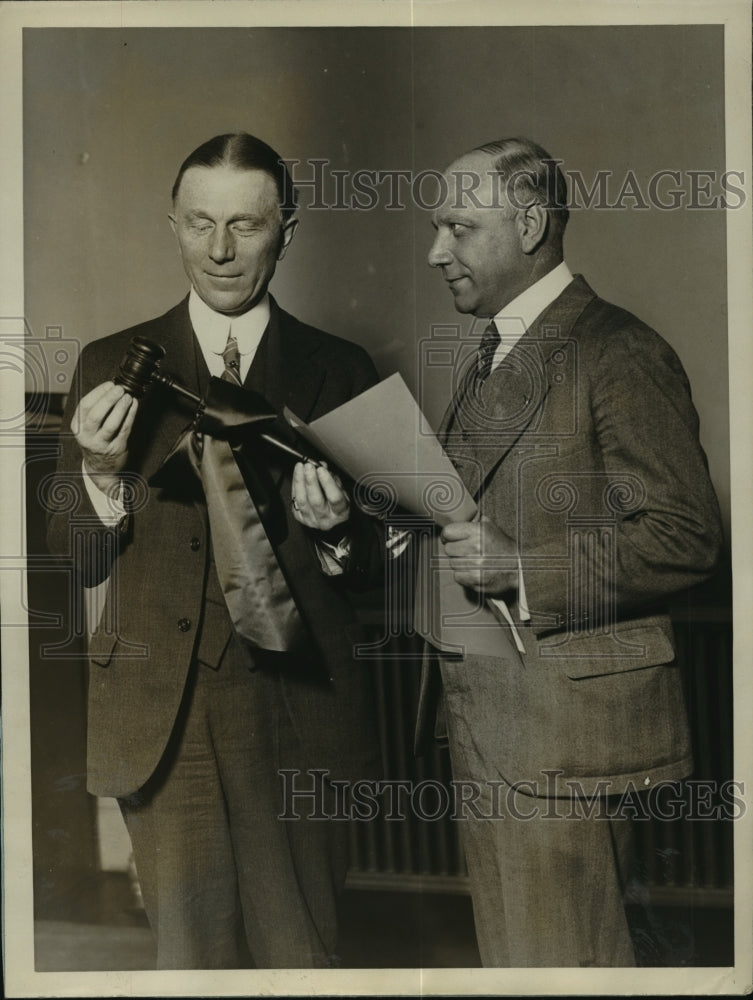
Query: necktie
point(257, 596)
point(232, 358)
point(451, 618)
point(485, 356)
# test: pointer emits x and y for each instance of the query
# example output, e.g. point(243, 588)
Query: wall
point(110, 114)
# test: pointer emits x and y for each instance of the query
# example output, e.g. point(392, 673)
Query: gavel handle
point(284, 446)
point(171, 383)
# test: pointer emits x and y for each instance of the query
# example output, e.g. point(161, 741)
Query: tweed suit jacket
point(584, 449)
point(158, 561)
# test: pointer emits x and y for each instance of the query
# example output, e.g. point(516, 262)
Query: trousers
point(547, 880)
point(225, 882)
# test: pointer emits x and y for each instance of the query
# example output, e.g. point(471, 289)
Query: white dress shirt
point(520, 314)
point(212, 330)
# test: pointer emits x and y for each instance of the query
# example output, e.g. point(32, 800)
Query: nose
point(439, 254)
point(221, 246)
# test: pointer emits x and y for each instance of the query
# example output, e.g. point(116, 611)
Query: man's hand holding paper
point(481, 556)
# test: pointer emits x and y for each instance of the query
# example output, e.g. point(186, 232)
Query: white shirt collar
point(519, 315)
point(212, 329)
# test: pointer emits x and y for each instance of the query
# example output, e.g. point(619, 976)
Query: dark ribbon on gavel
point(222, 448)
point(225, 411)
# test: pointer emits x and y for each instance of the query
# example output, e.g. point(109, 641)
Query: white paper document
point(382, 441)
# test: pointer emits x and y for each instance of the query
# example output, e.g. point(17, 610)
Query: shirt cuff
point(523, 612)
point(397, 541)
point(108, 508)
point(501, 611)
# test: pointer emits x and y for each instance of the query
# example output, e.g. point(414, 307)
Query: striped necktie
point(485, 356)
point(232, 358)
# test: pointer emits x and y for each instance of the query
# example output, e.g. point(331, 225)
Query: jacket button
point(184, 624)
point(195, 544)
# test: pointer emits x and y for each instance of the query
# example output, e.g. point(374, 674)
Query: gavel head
point(139, 366)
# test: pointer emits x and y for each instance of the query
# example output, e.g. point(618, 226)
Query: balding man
point(573, 428)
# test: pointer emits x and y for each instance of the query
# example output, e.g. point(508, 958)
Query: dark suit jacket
point(586, 452)
point(159, 565)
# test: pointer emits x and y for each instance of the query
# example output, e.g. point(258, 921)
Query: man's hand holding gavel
point(102, 424)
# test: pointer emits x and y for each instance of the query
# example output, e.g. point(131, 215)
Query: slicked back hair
point(244, 152)
point(534, 176)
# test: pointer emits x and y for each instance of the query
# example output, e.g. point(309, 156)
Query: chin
point(228, 307)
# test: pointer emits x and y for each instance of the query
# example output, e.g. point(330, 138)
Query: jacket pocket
point(104, 647)
point(628, 648)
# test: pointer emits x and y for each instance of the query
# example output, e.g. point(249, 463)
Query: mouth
point(454, 282)
point(222, 277)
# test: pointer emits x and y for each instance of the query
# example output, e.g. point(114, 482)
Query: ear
point(533, 222)
point(173, 224)
point(288, 232)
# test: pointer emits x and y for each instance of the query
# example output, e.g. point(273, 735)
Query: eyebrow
point(200, 213)
point(452, 215)
point(246, 217)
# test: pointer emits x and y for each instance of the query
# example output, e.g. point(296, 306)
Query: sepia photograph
point(375, 422)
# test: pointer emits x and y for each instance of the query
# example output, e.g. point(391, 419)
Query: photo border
point(20, 978)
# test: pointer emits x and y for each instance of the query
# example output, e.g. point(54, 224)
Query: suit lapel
point(286, 372)
point(181, 353)
point(478, 434)
point(285, 369)
point(164, 414)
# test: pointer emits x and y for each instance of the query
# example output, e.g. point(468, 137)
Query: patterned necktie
point(451, 618)
point(232, 358)
point(485, 356)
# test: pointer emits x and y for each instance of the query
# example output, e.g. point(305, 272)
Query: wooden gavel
point(226, 410)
